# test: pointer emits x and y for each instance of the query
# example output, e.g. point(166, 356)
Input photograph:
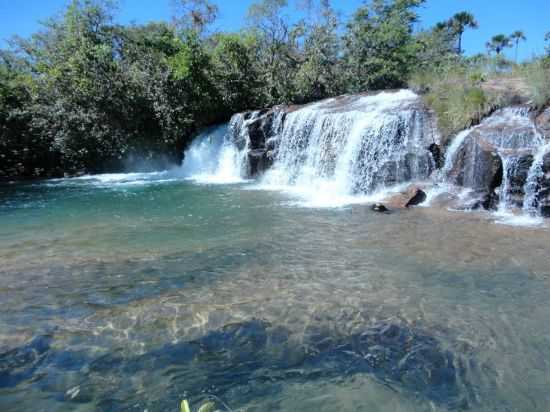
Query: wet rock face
point(496, 156)
point(260, 131)
point(437, 155)
point(543, 123)
point(518, 177)
point(544, 194)
point(477, 165)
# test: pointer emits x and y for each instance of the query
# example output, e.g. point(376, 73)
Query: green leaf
point(185, 406)
point(207, 407)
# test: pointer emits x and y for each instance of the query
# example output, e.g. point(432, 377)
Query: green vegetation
point(498, 43)
point(537, 75)
point(454, 91)
point(86, 94)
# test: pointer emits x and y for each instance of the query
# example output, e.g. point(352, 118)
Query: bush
point(455, 94)
point(537, 77)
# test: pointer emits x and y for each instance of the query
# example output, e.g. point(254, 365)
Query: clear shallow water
point(132, 292)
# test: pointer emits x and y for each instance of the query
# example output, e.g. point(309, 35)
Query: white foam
point(212, 159)
point(506, 217)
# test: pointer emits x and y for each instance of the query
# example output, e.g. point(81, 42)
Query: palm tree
point(459, 23)
point(516, 37)
point(498, 43)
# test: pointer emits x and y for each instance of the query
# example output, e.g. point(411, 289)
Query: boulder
point(477, 165)
point(380, 208)
point(503, 143)
point(411, 196)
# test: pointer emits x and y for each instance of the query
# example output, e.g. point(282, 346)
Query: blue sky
point(21, 17)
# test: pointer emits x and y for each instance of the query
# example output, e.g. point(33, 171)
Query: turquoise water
point(133, 292)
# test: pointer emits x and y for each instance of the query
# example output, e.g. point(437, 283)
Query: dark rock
point(418, 198)
point(379, 207)
point(411, 196)
point(544, 193)
point(259, 160)
point(20, 364)
point(508, 137)
point(477, 165)
point(546, 163)
point(517, 176)
point(437, 155)
point(488, 201)
point(259, 136)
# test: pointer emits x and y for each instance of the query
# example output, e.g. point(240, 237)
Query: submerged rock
point(20, 364)
point(255, 356)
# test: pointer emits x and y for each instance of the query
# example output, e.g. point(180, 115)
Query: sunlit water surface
point(133, 292)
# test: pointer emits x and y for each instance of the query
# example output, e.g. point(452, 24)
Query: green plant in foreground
point(207, 406)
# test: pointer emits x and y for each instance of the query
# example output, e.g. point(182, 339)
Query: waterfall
point(510, 135)
point(338, 151)
point(509, 168)
point(213, 158)
point(456, 144)
point(532, 185)
point(359, 148)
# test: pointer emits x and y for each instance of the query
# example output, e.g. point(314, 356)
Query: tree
point(195, 14)
point(380, 49)
point(498, 43)
point(277, 55)
point(320, 72)
point(547, 39)
point(436, 46)
point(459, 23)
point(236, 75)
point(516, 37)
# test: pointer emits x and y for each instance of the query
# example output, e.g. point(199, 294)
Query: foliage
point(380, 49)
point(537, 75)
point(85, 94)
point(458, 100)
point(516, 37)
point(498, 43)
point(459, 23)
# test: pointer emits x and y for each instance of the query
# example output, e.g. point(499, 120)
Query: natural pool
point(132, 292)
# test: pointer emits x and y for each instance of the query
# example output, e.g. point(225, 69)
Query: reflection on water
point(134, 292)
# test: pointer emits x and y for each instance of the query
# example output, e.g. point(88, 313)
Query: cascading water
point(214, 158)
point(532, 186)
point(508, 137)
point(509, 168)
point(358, 148)
point(340, 150)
